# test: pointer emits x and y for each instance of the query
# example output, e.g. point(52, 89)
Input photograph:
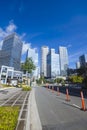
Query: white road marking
point(16, 99)
point(9, 98)
point(76, 106)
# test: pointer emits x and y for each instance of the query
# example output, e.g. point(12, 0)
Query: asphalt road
point(58, 114)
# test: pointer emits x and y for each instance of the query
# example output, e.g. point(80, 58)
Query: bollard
point(67, 95)
point(83, 102)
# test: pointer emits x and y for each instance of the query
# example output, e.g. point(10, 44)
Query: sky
point(46, 22)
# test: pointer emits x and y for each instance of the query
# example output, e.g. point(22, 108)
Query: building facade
point(44, 53)
point(32, 53)
point(63, 56)
point(53, 65)
point(10, 55)
point(8, 75)
point(77, 65)
point(83, 60)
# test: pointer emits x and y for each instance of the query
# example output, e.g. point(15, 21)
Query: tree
point(41, 80)
point(76, 79)
point(28, 65)
point(59, 80)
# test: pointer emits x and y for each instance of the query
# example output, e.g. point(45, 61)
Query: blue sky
point(47, 22)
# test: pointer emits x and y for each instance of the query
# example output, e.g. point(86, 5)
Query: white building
point(77, 65)
point(32, 53)
point(44, 53)
point(7, 74)
point(53, 65)
point(63, 60)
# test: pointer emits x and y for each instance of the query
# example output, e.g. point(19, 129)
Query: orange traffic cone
point(83, 102)
point(67, 95)
point(58, 92)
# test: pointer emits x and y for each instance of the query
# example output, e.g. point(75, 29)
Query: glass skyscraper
point(44, 53)
point(32, 53)
point(10, 55)
point(83, 60)
point(53, 65)
point(77, 65)
point(63, 54)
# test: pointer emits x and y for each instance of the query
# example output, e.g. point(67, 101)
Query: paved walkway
point(35, 123)
point(28, 116)
point(17, 97)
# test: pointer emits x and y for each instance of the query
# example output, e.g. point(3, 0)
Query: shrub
point(8, 117)
point(26, 88)
point(19, 85)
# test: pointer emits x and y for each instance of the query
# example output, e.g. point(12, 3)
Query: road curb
point(35, 123)
point(27, 125)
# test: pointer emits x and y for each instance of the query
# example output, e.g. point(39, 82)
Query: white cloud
point(8, 30)
point(69, 45)
point(77, 54)
point(21, 7)
point(2, 33)
point(25, 47)
point(75, 57)
point(22, 36)
point(11, 27)
point(5, 32)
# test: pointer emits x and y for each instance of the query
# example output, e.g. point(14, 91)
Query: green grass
point(26, 88)
point(8, 117)
point(6, 85)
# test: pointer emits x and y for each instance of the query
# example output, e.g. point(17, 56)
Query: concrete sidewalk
point(33, 120)
point(28, 115)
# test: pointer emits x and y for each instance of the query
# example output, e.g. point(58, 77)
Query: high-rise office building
point(53, 65)
point(83, 60)
point(10, 55)
point(77, 65)
point(32, 53)
point(44, 53)
point(63, 54)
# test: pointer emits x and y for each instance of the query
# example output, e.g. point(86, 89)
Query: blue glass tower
point(53, 65)
point(10, 55)
point(63, 60)
point(83, 60)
